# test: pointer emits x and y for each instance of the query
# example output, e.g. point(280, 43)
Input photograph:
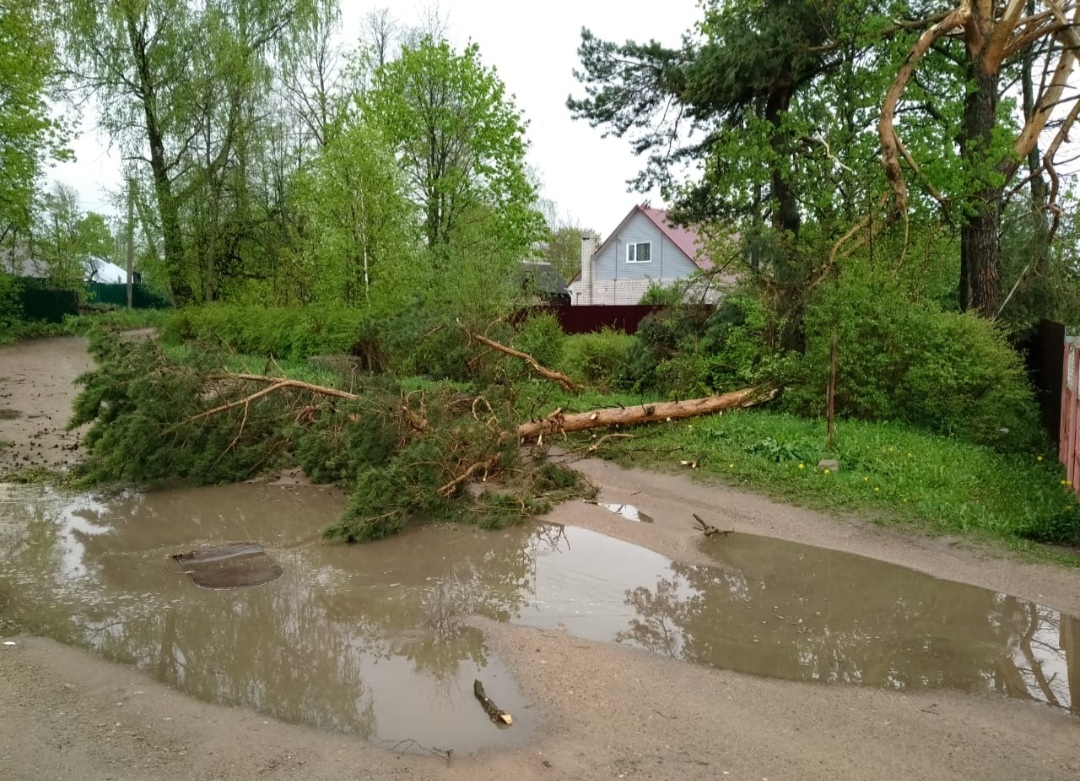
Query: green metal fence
point(48, 304)
point(42, 303)
point(116, 295)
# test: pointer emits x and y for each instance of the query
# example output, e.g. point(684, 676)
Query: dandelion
point(802, 466)
point(730, 466)
point(826, 471)
point(877, 489)
point(866, 479)
point(1038, 458)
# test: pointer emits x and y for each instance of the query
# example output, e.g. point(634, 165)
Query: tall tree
point(30, 134)
point(160, 68)
point(460, 142)
point(67, 239)
point(357, 216)
point(996, 36)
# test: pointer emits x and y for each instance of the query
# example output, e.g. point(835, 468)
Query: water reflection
point(371, 640)
point(362, 640)
point(784, 610)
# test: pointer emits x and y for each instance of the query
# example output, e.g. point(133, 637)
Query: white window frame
point(632, 251)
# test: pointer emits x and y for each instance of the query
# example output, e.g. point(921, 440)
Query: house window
point(639, 253)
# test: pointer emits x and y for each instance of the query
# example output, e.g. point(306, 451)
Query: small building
point(542, 283)
point(645, 249)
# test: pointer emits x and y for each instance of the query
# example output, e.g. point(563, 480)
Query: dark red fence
point(591, 319)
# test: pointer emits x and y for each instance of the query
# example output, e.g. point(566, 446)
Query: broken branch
point(709, 529)
point(494, 712)
point(567, 384)
point(448, 489)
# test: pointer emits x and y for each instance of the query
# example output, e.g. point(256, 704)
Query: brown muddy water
point(371, 639)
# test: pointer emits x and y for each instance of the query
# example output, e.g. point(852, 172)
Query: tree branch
point(568, 385)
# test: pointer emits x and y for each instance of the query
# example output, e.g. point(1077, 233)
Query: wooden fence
point(1069, 438)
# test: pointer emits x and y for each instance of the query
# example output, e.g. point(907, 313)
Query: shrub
point(951, 373)
point(597, 359)
point(542, 337)
point(294, 332)
point(696, 350)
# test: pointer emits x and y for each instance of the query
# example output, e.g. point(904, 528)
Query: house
point(645, 249)
point(21, 264)
point(541, 282)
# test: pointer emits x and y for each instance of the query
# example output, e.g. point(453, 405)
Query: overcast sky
point(534, 48)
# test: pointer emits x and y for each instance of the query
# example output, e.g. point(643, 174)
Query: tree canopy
point(852, 120)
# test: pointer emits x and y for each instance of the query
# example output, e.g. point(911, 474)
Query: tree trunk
point(661, 412)
point(979, 250)
point(786, 218)
point(168, 208)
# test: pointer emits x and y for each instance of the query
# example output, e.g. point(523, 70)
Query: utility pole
point(130, 237)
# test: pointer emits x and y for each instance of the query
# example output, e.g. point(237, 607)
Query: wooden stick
point(447, 489)
point(494, 712)
point(567, 384)
point(709, 529)
point(285, 382)
point(277, 384)
point(830, 412)
point(559, 422)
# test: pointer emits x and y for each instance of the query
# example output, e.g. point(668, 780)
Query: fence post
point(130, 237)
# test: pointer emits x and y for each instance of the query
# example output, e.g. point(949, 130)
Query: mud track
point(606, 711)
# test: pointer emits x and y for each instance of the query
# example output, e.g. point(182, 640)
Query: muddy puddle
point(370, 639)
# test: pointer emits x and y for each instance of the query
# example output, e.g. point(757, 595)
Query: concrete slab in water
point(223, 567)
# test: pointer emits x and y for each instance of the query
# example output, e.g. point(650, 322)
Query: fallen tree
point(559, 422)
point(400, 452)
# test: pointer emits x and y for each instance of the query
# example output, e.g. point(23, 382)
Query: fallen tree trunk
point(560, 423)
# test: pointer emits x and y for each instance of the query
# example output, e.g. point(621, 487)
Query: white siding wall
point(668, 262)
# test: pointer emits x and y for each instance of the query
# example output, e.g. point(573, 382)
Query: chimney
point(588, 249)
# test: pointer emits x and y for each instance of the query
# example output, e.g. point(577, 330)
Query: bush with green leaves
point(907, 360)
point(597, 359)
point(285, 332)
point(697, 350)
point(541, 336)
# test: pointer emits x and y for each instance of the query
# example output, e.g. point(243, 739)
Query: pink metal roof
point(686, 239)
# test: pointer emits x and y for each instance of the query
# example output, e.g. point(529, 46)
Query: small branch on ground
point(592, 448)
point(568, 385)
point(494, 712)
point(709, 529)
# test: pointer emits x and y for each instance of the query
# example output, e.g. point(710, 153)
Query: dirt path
point(606, 711)
point(35, 402)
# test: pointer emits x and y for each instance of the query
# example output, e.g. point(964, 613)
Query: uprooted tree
point(400, 452)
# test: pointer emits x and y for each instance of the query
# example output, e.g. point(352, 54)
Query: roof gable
point(684, 239)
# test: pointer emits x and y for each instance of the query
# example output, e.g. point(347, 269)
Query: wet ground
point(918, 667)
point(373, 640)
point(35, 403)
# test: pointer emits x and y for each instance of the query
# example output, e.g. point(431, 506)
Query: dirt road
point(606, 711)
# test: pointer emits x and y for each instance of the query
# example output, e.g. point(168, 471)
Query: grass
point(112, 320)
point(888, 473)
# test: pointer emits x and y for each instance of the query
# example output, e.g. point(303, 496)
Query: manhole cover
point(236, 565)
